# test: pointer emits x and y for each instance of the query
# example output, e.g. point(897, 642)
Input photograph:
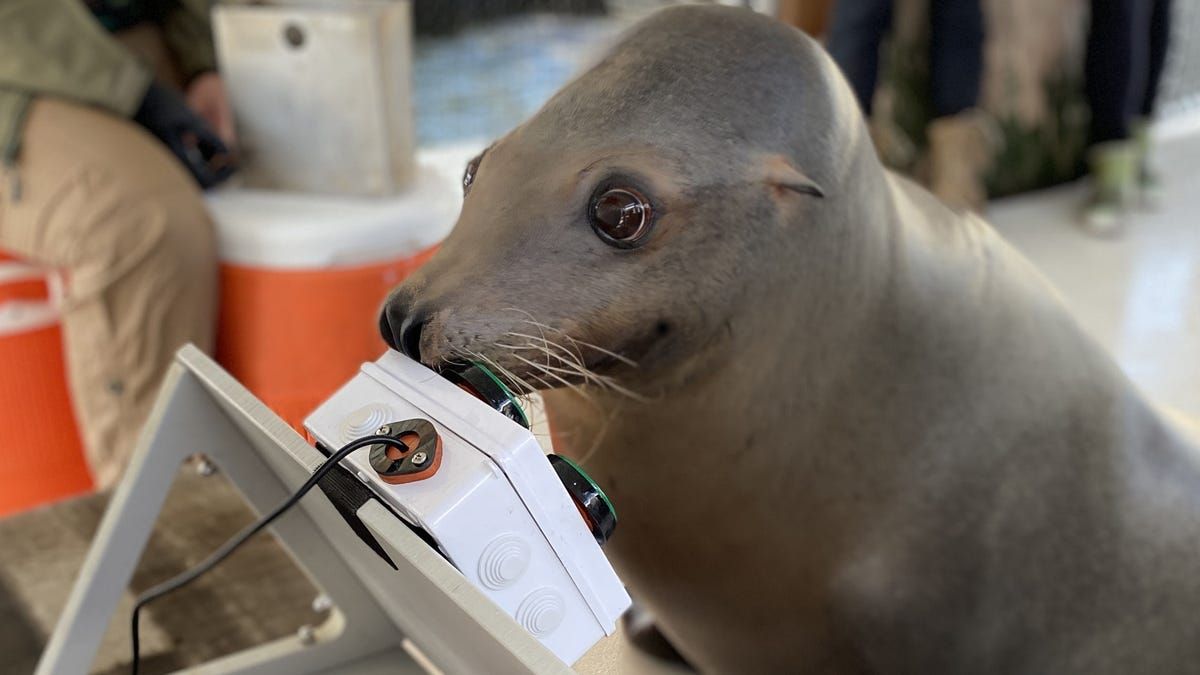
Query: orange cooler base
point(293, 337)
point(39, 441)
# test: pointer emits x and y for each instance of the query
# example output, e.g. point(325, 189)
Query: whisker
point(518, 382)
point(535, 322)
point(574, 366)
point(599, 438)
point(575, 356)
point(587, 375)
point(585, 343)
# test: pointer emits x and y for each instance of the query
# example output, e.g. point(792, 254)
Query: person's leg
point(955, 55)
point(1113, 68)
point(855, 34)
point(104, 202)
point(1160, 40)
point(1110, 67)
point(1158, 36)
point(962, 138)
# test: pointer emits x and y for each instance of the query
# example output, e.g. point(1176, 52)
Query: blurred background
point(254, 177)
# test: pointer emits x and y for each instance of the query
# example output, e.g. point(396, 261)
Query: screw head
point(419, 458)
point(306, 634)
point(204, 467)
point(384, 430)
point(321, 604)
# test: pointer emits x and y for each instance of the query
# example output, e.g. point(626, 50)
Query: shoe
point(1149, 184)
point(1114, 185)
point(893, 146)
point(962, 148)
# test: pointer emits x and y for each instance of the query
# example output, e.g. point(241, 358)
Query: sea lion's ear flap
point(783, 176)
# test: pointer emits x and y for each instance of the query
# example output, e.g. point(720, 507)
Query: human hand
point(207, 97)
point(165, 114)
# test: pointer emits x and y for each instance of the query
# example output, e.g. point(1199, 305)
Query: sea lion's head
point(633, 216)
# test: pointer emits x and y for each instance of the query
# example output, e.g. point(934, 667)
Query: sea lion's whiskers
point(570, 367)
point(510, 375)
point(592, 377)
point(572, 358)
point(526, 399)
point(577, 363)
point(576, 368)
point(567, 383)
point(599, 437)
point(624, 359)
point(535, 322)
point(610, 384)
point(541, 348)
point(575, 356)
point(518, 382)
point(527, 388)
point(551, 354)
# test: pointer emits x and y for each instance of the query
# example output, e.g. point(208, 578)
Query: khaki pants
point(104, 202)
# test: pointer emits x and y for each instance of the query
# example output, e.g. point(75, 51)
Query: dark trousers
point(955, 49)
point(1126, 50)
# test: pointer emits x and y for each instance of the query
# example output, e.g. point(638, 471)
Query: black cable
point(240, 538)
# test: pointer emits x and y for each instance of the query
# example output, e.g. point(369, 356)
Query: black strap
point(348, 494)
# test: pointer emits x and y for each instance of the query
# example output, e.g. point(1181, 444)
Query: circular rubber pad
point(593, 504)
point(481, 383)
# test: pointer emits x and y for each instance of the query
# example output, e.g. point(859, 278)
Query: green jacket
point(58, 48)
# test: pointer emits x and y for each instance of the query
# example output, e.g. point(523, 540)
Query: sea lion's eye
point(621, 217)
point(469, 174)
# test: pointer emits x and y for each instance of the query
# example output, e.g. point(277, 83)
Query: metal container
point(321, 92)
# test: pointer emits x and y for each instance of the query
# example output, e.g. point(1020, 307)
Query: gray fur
point(875, 441)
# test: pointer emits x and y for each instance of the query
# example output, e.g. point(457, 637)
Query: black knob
point(481, 383)
point(593, 504)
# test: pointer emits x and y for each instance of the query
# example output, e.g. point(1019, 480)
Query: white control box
point(493, 504)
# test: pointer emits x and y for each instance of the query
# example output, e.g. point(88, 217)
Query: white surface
point(332, 114)
point(288, 230)
point(495, 505)
point(1139, 295)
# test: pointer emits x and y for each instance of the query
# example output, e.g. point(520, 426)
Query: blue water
point(485, 80)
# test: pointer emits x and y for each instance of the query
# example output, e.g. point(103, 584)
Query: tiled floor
point(1138, 295)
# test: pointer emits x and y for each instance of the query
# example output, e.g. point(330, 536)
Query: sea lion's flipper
point(644, 635)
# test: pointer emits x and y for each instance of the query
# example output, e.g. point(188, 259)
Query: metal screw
point(419, 458)
point(306, 634)
point(204, 467)
point(384, 430)
point(322, 604)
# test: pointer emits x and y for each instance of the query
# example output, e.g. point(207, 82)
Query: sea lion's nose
point(401, 328)
point(410, 335)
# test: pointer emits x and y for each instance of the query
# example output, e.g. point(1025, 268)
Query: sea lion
point(862, 434)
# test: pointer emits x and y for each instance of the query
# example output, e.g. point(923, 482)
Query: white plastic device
point(495, 506)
